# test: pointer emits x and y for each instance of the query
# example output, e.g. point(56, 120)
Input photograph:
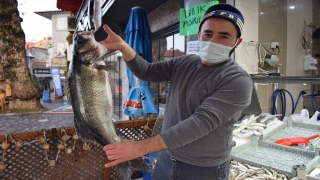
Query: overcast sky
point(34, 26)
point(37, 27)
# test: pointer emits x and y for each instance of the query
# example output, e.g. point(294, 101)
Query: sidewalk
point(58, 108)
point(59, 116)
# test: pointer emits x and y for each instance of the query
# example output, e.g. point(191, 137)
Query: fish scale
point(96, 103)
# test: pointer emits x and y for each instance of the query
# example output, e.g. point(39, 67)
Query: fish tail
point(126, 169)
point(140, 165)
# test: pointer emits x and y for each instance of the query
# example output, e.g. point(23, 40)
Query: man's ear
point(239, 41)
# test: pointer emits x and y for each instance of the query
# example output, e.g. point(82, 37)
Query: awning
point(69, 5)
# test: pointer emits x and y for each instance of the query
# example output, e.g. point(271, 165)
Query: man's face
point(219, 31)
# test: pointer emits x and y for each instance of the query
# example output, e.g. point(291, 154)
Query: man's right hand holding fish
point(206, 96)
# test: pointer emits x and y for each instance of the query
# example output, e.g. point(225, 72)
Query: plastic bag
point(309, 63)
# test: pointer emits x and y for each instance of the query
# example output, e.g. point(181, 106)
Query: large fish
point(89, 90)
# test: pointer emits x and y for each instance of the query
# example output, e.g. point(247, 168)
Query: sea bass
point(89, 90)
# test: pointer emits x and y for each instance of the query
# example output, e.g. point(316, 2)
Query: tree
point(13, 65)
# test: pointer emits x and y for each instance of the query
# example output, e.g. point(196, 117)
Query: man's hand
point(128, 149)
point(122, 151)
point(114, 42)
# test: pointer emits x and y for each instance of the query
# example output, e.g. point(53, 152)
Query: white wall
point(250, 31)
point(59, 36)
point(295, 52)
point(295, 27)
point(292, 48)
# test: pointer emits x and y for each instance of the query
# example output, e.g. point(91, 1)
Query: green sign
point(190, 18)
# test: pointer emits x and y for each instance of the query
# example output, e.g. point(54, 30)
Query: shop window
point(61, 23)
point(166, 45)
point(61, 47)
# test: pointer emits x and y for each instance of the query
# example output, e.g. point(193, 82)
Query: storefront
point(43, 77)
point(266, 22)
point(166, 39)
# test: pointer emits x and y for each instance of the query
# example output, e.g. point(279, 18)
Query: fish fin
point(99, 139)
point(66, 91)
point(110, 69)
point(126, 169)
point(112, 83)
point(140, 165)
point(87, 134)
point(82, 131)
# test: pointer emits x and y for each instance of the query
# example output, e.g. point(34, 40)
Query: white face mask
point(214, 53)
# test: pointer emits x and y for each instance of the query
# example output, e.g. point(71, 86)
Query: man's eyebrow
point(225, 33)
point(207, 31)
point(221, 33)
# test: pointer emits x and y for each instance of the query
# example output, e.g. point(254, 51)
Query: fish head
point(85, 41)
point(86, 46)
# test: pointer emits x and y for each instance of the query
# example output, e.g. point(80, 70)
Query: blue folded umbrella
point(140, 99)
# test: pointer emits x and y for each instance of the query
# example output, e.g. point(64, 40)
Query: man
point(41, 87)
point(206, 96)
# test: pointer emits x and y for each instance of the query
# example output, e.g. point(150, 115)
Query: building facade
point(285, 22)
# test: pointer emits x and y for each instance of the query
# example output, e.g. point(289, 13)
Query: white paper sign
point(192, 47)
point(48, 62)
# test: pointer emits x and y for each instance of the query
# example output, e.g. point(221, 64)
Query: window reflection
point(166, 48)
point(175, 46)
point(61, 23)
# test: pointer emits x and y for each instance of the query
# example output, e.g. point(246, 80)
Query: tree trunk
point(13, 69)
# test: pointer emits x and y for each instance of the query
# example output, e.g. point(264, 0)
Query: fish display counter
point(287, 148)
point(240, 142)
point(313, 169)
